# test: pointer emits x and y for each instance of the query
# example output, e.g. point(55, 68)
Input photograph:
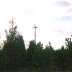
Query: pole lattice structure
point(35, 32)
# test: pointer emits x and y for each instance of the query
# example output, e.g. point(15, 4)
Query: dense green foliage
point(14, 56)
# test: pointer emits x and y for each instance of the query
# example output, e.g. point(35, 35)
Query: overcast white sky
point(52, 17)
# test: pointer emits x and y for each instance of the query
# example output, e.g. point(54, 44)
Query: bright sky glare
point(52, 17)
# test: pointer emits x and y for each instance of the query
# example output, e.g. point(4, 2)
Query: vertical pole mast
point(35, 32)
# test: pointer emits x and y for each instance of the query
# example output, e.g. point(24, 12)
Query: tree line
point(15, 57)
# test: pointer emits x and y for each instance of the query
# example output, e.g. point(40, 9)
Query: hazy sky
point(52, 17)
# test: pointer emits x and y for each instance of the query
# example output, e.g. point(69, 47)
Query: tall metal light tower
point(35, 32)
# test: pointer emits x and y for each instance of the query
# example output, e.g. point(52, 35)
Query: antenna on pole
point(35, 32)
